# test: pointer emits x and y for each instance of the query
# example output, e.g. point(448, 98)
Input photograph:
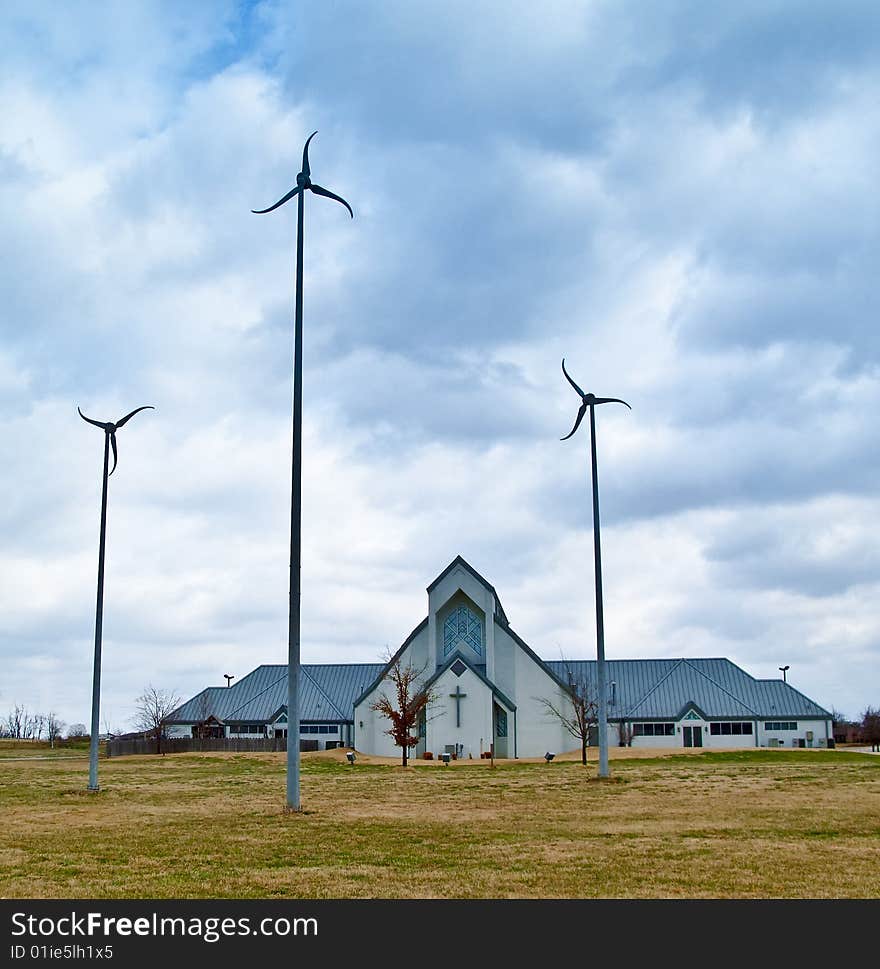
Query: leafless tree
point(76, 730)
point(580, 711)
point(38, 721)
point(871, 727)
point(152, 709)
point(409, 703)
point(54, 726)
point(17, 722)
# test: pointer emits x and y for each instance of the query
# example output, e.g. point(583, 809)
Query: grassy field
point(732, 824)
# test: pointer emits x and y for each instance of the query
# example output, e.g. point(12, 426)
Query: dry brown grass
point(746, 824)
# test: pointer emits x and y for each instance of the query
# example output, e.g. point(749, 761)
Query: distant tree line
point(21, 724)
point(152, 709)
point(867, 725)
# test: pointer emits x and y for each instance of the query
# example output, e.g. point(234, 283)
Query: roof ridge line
point(323, 693)
point(723, 689)
point(250, 699)
point(656, 686)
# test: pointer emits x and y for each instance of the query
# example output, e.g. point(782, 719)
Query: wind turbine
point(590, 401)
point(110, 430)
point(303, 183)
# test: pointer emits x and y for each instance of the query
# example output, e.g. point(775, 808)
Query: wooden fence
point(184, 745)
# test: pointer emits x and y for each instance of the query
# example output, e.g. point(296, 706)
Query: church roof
point(649, 689)
point(661, 689)
point(327, 692)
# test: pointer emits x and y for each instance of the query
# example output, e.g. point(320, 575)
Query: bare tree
point(153, 707)
point(15, 721)
point(54, 726)
point(838, 717)
point(77, 730)
point(405, 710)
point(580, 712)
point(871, 727)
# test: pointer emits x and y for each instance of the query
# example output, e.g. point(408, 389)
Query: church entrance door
point(693, 736)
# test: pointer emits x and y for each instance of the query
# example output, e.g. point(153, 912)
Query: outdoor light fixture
point(548, 756)
point(350, 757)
point(783, 670)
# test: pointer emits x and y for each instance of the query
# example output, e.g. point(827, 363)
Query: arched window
point(462, 626)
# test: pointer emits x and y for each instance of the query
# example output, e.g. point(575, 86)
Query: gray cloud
point(679, 202)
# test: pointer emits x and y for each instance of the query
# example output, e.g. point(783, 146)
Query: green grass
point(17, 749)
point(741, 824)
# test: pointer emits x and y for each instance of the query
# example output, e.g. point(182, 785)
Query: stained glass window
point(462, 626)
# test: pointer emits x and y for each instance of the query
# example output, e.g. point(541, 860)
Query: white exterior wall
point(475, 731)
point(673, 741)
point(371, 738)
point(744, 741)
point(537, 730)
point(736, 741)
point(821, 730)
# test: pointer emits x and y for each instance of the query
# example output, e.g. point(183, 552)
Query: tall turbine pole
point(293, 627)
point(600, 612)
point(109, 429)
point(303, 182)
point(99, 629)
point(589, 401)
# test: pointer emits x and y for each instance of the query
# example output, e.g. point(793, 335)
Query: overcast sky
point(678, 197)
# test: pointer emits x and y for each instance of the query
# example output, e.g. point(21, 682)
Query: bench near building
point(490, 687)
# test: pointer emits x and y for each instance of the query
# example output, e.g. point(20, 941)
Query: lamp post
point(590, 401)
point(303, 182)
point(110, 430)
point(784, 670)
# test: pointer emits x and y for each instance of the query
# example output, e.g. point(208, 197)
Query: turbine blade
point(286, 198)
point(577, 423)
point(128, 417)
point(305, 169)
point(329, 195)
point(96, 423)
point(568, 378)
point(115, 455)
point(611, 400)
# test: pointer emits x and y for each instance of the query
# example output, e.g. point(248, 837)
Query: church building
point(489, 688)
